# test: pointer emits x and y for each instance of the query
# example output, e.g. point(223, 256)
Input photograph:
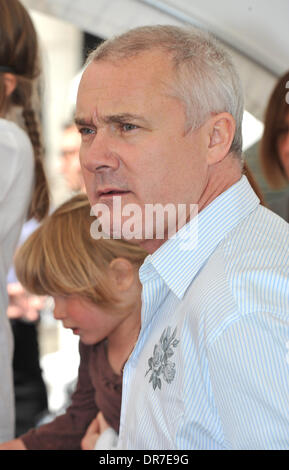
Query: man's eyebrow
point(123, 118)
point(83, 122)
point(111, 119)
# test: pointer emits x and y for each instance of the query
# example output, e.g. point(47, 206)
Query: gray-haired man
point(160, 111)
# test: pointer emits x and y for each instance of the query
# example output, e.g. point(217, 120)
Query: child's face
point(91, 322)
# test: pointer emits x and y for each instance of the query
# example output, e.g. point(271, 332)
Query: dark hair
point(277, 110)
point(19, 52)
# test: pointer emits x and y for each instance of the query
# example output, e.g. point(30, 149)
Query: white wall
point(61, 44)
point(257, 30)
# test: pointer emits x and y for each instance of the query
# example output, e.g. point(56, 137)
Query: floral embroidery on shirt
point(159, 363)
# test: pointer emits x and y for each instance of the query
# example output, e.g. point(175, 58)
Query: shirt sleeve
point(249, 371)
point(66, 431)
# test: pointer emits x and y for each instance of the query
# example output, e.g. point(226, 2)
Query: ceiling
point(255, 31)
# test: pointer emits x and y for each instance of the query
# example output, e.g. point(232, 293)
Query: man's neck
point(220, 178)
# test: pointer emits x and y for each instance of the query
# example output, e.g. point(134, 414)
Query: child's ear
point(10, 82)
point(122, 273)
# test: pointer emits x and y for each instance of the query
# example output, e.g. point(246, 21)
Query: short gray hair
point(206, 79)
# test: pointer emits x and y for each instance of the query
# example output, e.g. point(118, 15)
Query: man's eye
point(84, 131)
point(128, 127)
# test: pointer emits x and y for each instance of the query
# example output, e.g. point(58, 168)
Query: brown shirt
point(98, 389)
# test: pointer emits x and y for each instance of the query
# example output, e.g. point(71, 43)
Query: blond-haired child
point(97, 295)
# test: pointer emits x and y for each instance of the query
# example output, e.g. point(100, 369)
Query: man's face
point(134, 143)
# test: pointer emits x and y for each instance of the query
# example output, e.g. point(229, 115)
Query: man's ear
point(221, 130)
point(10, 82)
point(121, 271)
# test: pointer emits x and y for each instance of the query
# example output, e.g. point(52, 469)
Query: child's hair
point(62, 258)
point(19, 56)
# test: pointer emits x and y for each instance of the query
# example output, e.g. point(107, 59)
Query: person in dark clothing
point(31, 401)
point(29, 387)
point(274, 148)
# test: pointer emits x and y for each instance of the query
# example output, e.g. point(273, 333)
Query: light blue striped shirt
point(210, 369)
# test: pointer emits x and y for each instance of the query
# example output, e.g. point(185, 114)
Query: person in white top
point(23, 185)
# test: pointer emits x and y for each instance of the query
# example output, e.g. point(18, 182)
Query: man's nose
point(102, 154)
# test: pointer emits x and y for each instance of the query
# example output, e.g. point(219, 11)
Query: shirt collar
point(180, 258)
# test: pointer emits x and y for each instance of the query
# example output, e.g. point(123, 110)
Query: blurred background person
point(23, 185)
point(24, 310)
point(274, 150)
point(69, 166)
point(31, 401)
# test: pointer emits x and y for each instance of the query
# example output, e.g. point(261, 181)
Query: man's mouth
point(110, 193)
